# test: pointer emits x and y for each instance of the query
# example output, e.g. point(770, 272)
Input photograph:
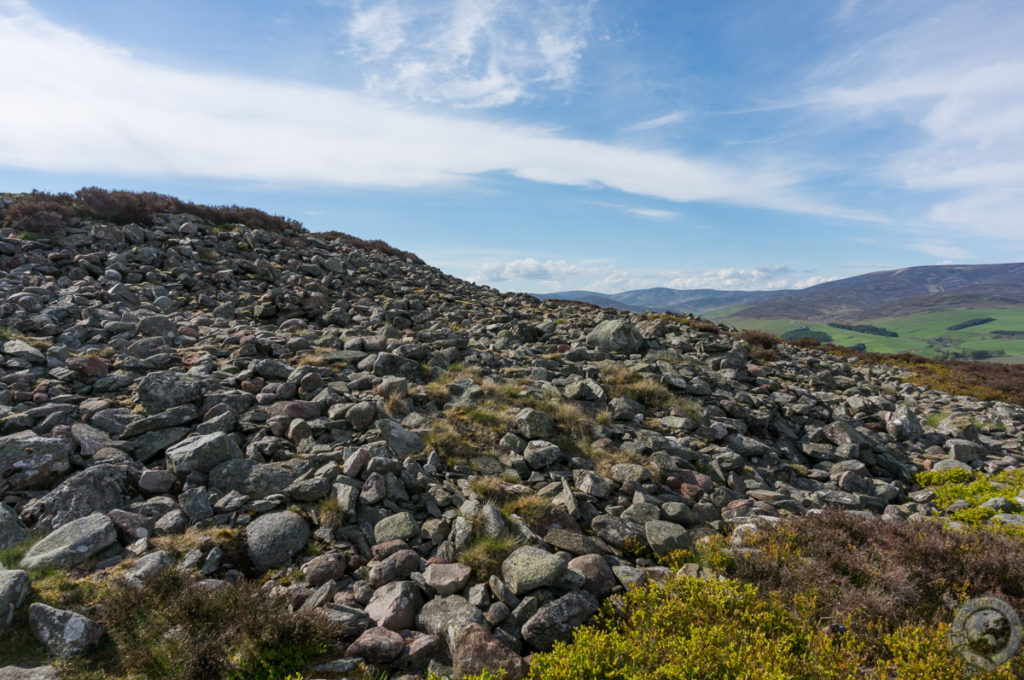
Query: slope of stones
point(172, 380)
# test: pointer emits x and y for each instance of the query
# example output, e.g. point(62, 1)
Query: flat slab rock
point(72, 544)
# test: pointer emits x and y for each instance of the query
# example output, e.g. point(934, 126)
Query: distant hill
point(698, 301)
point(902, 310)
point(899, 292)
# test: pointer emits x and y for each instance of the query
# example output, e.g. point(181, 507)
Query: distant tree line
point(971, 322)
point(865, 328)
point(803, 333)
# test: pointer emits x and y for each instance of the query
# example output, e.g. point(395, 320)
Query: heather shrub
point(762, 339)
point(173, 628)
point(878, 572)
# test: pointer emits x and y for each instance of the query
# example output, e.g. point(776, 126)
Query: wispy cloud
point(650, 213)
point(661, 121)
point(76, 104)
point(954, 74)
point(474, 53)
point(775, 277)
point(943, 250)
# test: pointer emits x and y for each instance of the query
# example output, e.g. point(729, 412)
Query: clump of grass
point(396, 405)
point(532, 508)
point(570, 418)
point(329, 513)
point(314, 357)
point(12, 556)
point(489, 489)
point(605, 458)
point(191, 538)
point(458, 438)
point(172, 628)
point(484, 554)
point(933, 419)
point(619, 381)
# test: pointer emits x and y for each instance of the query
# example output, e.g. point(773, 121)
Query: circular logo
point(986, 632)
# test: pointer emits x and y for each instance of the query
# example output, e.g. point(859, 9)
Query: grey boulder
point(273, 539)
point(166, 389)
point(28, 461)
point(63, 633)
point(202, 453)
point(14, 588)
point(529, 568)
point(616, 335)
point(100, 488)
point(556, 620)
point(11, 531)
point(72, 544)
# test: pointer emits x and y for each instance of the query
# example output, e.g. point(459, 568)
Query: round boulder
point(273, 539)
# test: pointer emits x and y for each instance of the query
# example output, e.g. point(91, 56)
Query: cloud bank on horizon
point(902, 126)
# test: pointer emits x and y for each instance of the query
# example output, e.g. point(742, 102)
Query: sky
point(548, 145)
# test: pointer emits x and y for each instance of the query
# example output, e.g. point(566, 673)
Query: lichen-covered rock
point(71, 544)
point(163, 390)
point(529, 568)
point(28, 461)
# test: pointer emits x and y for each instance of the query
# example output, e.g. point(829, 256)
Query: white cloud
point(529, 269)
point(735, 278)
point(661, 121)
point(76, 104)
point(379, 31)
point(475, 53)
point(556, 275)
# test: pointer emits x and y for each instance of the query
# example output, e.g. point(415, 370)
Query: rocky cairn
point(304, 395)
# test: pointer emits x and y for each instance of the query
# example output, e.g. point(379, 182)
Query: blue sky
point(546, 145)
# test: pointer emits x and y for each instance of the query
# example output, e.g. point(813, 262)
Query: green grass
point(923, 333)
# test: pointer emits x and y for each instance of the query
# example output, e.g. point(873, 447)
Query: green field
point(923, 333)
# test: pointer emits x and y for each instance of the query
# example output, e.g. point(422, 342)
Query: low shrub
point(879, 572)
point(173, 628)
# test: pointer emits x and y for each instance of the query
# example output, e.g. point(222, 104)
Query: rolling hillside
point(916, 309)
point(698, 301)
